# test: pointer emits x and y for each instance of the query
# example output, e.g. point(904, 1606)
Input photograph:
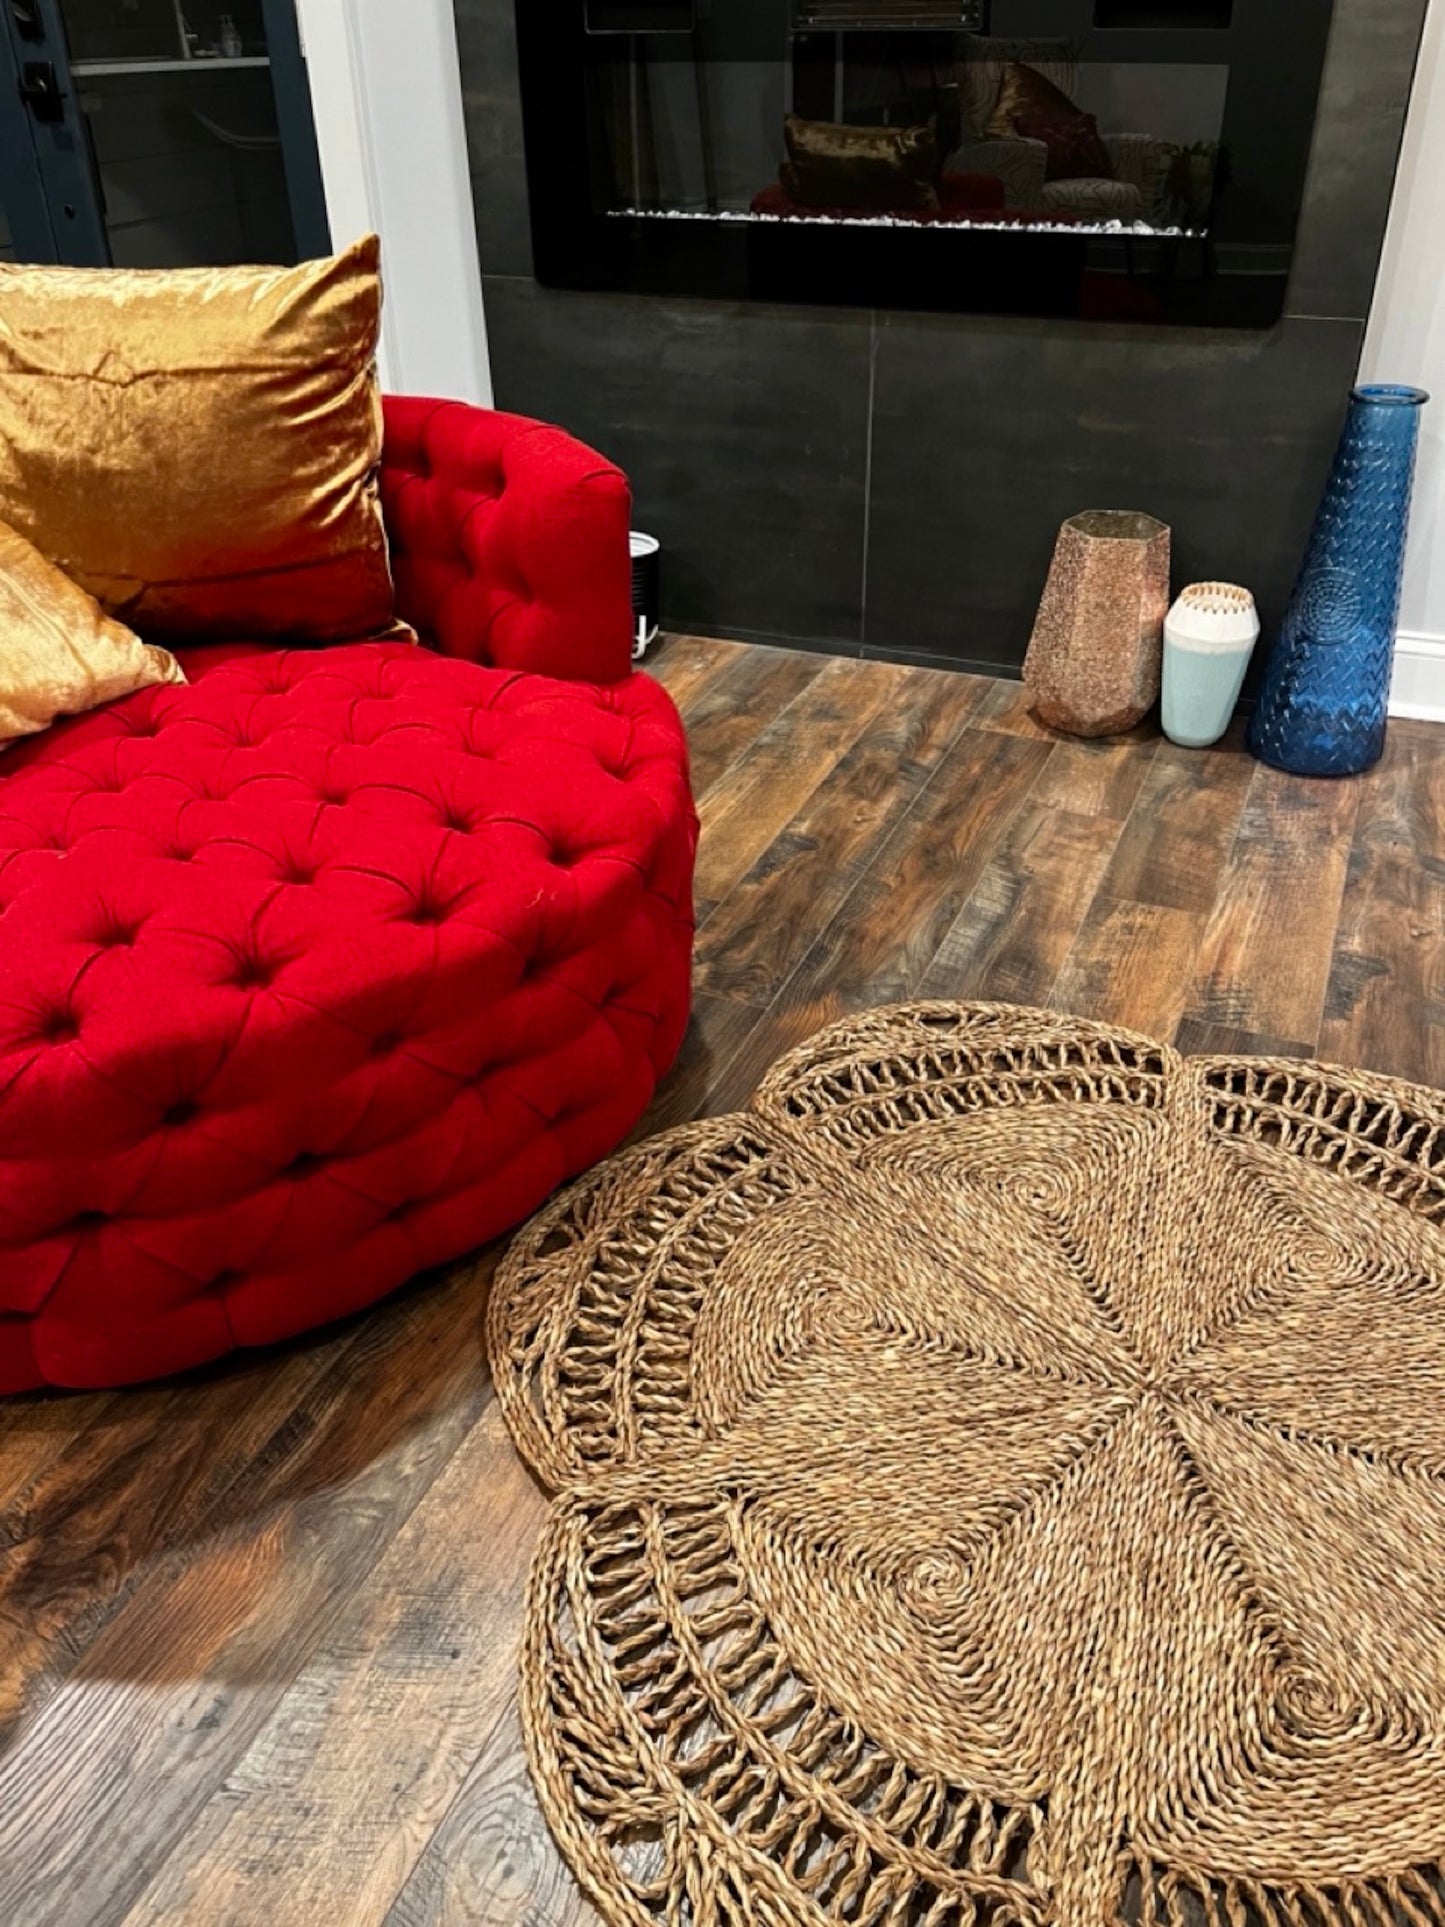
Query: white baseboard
point(1417, 687)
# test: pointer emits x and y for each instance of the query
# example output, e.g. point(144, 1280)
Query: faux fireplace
point(1114, 160)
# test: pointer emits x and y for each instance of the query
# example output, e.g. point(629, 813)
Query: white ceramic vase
point(1209, 636)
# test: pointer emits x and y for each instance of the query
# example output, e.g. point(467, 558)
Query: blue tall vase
point(1321, 707)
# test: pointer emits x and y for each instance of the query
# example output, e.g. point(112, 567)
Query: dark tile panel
point(743, 429)
point(805, 645)
point(1372, 51)
point(492, 107)
point(986, 435)
point(808, 645)
point(929, 659)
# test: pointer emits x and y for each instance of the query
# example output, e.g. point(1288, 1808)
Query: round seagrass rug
point(998, 1478)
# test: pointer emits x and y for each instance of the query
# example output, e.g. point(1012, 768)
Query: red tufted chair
point(328, 966)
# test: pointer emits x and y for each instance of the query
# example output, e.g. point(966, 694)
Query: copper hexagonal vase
point(1093, 661)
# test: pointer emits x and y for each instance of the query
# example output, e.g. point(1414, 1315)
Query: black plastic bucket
point(646, 590)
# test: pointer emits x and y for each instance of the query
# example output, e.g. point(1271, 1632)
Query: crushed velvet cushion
point(1075, 150)
point(59, 652)
point(1025, 94)
point(835, 166)
point(198, 447)
point(979, 71)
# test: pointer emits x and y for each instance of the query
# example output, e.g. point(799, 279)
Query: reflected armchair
point(1140, 161)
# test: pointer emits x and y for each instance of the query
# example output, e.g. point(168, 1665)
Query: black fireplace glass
point(640, 16)
point(1111, 160)
point(1164, 14)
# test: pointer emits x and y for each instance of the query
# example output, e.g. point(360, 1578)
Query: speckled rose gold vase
point(1093, 662)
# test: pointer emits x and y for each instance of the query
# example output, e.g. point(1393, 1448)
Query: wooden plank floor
point(257, 1628)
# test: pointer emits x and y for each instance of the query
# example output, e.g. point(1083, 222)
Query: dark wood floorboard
point(258, 1627)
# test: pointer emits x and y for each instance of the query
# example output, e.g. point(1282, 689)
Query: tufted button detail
point(305, 1164)
point(385, 1044)
point(254, 973)
point(427, 910)
point(179, 1113)
point(333, 796)
point(87, 1221)
point(121, 936)
point(299, 873)
point(455, 820)
point(59, 1028)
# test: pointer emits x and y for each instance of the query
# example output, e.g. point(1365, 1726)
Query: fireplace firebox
point(1111, 160)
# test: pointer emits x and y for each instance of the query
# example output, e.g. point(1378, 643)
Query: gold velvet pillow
point(59, 651)
point(1025, 94)
point(198, 447)
point(833, 165)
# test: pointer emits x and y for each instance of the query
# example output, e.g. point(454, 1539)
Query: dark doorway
point(156, 133)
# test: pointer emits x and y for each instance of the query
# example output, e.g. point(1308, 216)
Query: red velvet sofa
point(330, 965)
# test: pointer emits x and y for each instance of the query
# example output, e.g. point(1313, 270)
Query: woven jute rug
point(1000, 1477)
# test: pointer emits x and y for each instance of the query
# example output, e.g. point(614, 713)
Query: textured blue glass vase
point(1321, 707)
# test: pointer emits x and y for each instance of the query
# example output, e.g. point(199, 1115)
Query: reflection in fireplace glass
point(865, 127)
point(640, 16)
point(1146, 157)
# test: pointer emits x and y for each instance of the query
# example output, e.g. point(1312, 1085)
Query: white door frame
point(1405, 341)
point(386, 93)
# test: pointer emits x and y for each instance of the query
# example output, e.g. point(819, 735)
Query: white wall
point(1405, 341)
point(387, 97)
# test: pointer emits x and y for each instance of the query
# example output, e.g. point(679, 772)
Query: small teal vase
point(1321, 707)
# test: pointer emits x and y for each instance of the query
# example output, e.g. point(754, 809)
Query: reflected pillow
point(59, 651)
point(876, 168)
point(1024, 94)
point(1075, 151)
point(198, 447)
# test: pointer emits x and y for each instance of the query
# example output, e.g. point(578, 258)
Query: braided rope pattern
point(998, 1479)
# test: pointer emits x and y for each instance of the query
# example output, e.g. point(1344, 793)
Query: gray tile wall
point(890, 484)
